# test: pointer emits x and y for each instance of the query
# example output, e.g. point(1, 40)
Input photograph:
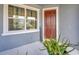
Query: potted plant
point(55, 47)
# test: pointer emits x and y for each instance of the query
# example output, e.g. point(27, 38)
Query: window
point(20, 19)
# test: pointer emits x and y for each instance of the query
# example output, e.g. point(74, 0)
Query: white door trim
point(57, 21)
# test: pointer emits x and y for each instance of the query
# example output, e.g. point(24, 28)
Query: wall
point(13, 41)
point(68, 21)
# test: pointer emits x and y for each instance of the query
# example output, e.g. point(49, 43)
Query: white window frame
point(5, 20)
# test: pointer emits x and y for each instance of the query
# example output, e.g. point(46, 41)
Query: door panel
point(50, 24)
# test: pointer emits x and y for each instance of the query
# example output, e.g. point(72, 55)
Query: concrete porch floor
point(31, 49)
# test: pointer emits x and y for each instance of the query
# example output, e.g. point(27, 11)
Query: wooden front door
point(49, 24)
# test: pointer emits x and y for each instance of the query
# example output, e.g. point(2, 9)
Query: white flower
point(59, 43)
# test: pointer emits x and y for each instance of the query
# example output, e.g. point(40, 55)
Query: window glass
point(31, 19)
point(10, 11)
point(15, 11)
point(15, 24)
point(17, 14)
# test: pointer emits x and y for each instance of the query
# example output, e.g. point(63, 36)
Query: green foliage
point(55, 47)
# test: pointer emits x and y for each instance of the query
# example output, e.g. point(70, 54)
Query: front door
point(49, 24)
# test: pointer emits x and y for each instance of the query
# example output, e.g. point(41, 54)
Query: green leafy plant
point(55, 47)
